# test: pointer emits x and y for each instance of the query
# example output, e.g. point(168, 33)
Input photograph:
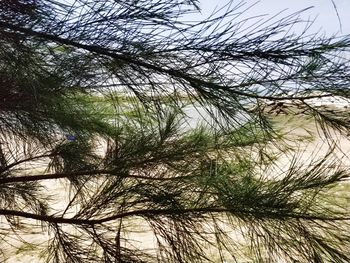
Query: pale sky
point(323, 11)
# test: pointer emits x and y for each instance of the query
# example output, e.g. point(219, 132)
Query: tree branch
point(165, 212)
point(171, 72)
point(11, 165)
point(39, 177)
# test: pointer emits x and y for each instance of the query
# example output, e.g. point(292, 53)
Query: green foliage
point(96, 141)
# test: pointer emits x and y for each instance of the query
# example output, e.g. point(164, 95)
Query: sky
point(323, 11)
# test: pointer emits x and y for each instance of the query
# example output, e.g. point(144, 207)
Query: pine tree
point(95, 143)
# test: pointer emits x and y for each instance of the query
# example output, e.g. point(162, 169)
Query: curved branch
point(194, 82)
point(164, 212)
point(11, 165)
point(39, 177)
